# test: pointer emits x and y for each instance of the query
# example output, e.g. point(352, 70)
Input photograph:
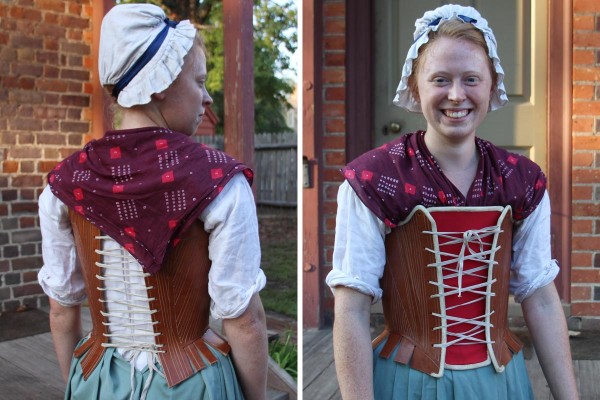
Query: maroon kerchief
point(394, 178)
point(143, 187)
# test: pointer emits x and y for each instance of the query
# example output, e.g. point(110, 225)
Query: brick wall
point(586, 161)
point(45, 114)
point(334, 127)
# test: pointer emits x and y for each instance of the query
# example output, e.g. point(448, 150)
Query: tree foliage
point(275, 39)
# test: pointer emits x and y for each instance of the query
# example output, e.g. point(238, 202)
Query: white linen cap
point(431, 21)
point(127, 32)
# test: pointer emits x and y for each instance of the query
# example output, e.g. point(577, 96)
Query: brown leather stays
point(419, 284)
point(178, 293)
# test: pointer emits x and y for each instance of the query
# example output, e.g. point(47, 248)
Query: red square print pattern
point(366, 175)
point(168, 177)
point(512, 160)
point(172, 223)
point(78, 193)
point(161, 144)
point(115, 152)
point(216, 173)
point(118, 188)
point(82, 157)
point(410, 189)
point(129, 231)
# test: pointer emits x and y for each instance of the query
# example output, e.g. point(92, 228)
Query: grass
point(279, 264)
point(285, 353)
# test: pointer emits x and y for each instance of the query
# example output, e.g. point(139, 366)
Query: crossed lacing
point(137, 316)
point(455, 262)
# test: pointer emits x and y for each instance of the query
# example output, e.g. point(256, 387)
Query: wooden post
point(101, 101)
point(311, 147)
point(239, 80)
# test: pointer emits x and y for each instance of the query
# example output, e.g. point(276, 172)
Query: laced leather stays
point(179, 305)
point(445, 289)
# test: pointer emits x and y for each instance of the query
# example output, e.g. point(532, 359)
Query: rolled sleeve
point(60, 277)
point(359, 249)
point(532, 264)
point(234, 249)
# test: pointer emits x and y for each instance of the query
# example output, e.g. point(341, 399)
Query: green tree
point(275, 39)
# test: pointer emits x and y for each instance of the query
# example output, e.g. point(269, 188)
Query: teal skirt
point(111, 379)
point(395, 381)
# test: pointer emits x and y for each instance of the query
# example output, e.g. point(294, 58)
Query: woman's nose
point(456, 93)
point(207, 100)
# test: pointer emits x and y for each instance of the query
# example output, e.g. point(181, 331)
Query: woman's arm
point(247, 336)
point(352, 344)
point(65, 325)
point(546, 322)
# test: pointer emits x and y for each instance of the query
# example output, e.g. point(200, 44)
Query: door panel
point(520, 28)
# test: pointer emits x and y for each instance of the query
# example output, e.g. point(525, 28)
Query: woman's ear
point(159, 96)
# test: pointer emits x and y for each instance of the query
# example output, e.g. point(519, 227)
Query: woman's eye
point(472, 80)
point(439, 80)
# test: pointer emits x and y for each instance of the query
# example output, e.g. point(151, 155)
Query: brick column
point(333, 128)
point(585, 289)
point(45, 113)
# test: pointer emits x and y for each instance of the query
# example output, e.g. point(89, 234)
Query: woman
point(443, 272)
point(163, 247)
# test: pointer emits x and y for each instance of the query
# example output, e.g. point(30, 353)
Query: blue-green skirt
point(111, 379)
point(395, 381)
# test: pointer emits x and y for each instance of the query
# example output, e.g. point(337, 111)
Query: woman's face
point(454, 85)
point(186, 99)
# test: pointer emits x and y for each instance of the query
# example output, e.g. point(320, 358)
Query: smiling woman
point(425, 224)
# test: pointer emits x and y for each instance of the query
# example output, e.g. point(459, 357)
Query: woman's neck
point(135, 117)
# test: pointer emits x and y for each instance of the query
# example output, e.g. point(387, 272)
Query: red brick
point(584, 226)
point(75, 100)
point(335, 59)
point(25, 208)
point(334, 42)
point(51, 5)
point(586, 142)
point(335, 26)
point(25, 124)
point(585, 275)
point(585, 39)
point(335, 158)
point(587, 243)
point(27, 222)
point(579, 293)
point(583, 92)
point(583, 57)
point(75, 127)
point(586, 210)
point(27, 181)
point(331, 175)
point(585, 309)
point(20, 41)
point(30, 276)
point(334, 142)
point(25, 13)
point(10, 167)
point(76, 48)
point(74, 8)
point(335, 125)
point(582, 124)
point(330, 207)
point(581, 192)
point(46, 166)
point(334, 9)
point(586, 6)
point(334, 110)
point(27, 167)
point(581, 259)
point(583, 159)
point(583, 22)
point(335, 93)
point(74, 22)
point(334, 75)
point(27, 290)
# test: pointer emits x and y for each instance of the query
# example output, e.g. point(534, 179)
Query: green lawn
point(279, 262)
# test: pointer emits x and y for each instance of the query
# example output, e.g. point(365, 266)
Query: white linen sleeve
point(60, 277)
point(234, 249)
point(532, 264)
point(359, 249)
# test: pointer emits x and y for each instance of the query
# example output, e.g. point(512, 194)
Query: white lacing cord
point(454, 264)
point(136, 315)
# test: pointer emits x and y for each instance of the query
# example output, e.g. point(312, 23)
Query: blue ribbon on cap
point(144, 59)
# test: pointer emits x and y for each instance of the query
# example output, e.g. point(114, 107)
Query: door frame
point(359, 96)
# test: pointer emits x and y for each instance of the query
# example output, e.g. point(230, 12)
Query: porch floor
point(320, 382)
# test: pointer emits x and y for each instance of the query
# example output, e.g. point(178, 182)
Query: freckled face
point(186, 99)
point(454, 86)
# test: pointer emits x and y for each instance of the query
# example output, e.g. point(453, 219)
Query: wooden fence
point(275, 166)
